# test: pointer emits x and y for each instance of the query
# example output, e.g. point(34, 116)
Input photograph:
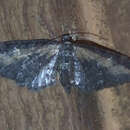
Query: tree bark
point(52, 108)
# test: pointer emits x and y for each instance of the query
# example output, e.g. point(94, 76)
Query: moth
point(82, 64)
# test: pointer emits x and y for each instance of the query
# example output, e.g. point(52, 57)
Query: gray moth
point(83, 64)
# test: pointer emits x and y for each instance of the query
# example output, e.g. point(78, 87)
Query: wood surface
point(52, 108)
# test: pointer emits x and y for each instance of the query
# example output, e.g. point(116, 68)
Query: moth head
point(69, 37)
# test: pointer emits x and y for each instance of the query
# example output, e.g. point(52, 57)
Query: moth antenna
point(93, 34)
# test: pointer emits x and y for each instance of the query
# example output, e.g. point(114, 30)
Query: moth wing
point(30, 63)
point(101, 67)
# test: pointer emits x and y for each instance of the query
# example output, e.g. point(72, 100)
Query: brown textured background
point(52, 108)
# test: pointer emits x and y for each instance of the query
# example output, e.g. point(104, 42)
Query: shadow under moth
point(82, 64)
